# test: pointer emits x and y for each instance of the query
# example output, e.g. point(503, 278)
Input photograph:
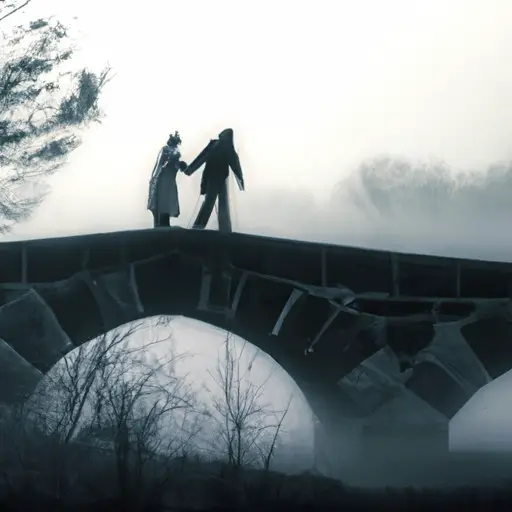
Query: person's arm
point(234, 163)
point(199, 160)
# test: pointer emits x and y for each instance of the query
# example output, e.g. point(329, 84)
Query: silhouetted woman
point(163, 201)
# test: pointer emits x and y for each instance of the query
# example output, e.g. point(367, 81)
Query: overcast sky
point(311, 90)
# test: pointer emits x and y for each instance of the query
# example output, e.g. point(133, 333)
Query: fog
point(392, 203)
point(372, 124)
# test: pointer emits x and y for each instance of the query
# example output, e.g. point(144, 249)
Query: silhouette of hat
point(226, 134)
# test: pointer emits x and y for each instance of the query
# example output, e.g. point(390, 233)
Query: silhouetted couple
point(218, 156)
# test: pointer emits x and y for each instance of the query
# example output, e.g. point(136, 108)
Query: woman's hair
point(174, 140)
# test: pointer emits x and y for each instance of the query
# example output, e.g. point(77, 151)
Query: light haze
point(310, 89)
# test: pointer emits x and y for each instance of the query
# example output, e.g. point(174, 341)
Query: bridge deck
point(326, 265)
point(277, 308)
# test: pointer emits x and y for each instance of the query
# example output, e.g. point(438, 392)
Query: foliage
point(44, 104)
point(389, 187)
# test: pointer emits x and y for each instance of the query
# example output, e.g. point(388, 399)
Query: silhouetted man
point(163, 201)
point(219, 155)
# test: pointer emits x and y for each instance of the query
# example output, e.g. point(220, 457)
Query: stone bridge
point(363, 333)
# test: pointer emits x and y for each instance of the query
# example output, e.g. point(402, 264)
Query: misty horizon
point(374, 125)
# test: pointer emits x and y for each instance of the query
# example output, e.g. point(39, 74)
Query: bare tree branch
point(111, 395)
point(246, 429)
point(13, 10)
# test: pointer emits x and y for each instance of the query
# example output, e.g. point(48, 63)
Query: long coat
point(163, 191)
point(218, 156)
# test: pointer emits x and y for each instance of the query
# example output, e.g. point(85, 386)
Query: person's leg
point(165, 220)
point(155, 219)
point(224, 215)
point(205, 211)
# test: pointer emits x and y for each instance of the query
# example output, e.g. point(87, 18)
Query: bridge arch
point(289, 300)
point(74, 295)
point(160, 338)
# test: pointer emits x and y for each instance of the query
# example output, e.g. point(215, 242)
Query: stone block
point(29, 326)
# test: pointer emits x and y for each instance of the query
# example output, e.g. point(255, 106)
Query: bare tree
point(384, 187)
point(110, 399)
point(43, 105)
point(139, 402)
point(62, 402)
point(246, 429)
point(61, 406)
